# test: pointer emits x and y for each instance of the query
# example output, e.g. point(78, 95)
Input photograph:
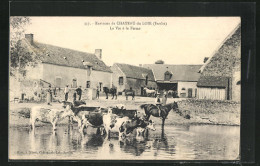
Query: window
point(58, 81)
point(121, 80)
point(88, 84)
point(74, 83)
point(146, 80)
point(183, 89)
point(167, 76)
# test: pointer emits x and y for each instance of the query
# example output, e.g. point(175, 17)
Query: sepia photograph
point(124, 88)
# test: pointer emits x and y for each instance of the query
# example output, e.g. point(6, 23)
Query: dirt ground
point(201, 112)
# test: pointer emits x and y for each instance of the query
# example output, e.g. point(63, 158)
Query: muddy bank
point(200, 111)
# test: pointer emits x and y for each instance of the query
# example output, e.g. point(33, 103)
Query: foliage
point(19, 57)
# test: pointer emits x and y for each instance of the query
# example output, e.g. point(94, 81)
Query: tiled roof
point(179, 72)
point(67, 57)
point(135, 71)
point(213, 81)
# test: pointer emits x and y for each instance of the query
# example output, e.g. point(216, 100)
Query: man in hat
point(79, 92)
point(97, 95)
point(49, 95)
point(66, 92)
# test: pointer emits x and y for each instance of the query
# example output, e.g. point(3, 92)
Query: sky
point(144, 40)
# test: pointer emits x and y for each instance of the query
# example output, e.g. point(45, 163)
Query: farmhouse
point(128, 76)
point(220, 75)
point(59, 67)
point(181, 79)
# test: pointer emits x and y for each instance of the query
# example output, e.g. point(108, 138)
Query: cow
point(129, 126)
point(142, 132)
point(93, 119)
point(49, 114)
point(112, 122)
point(86, 116)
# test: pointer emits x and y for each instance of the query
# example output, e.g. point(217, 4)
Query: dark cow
point(129, 126)
point(87, 116)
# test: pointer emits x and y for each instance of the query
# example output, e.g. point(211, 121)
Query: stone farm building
point(179, 78)
point(61, 66)
point(220, 75)
point(128, 76)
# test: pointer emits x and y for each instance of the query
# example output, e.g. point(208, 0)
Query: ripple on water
point(204, 142)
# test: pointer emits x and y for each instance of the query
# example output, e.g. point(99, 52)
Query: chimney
point(205, 59)
point(98, 53)
point(29, 38)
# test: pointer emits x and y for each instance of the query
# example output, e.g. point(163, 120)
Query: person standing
point(54, 91)
point(79, 92)
point(164, 98)
point(97, 95)
point(157, 99)
point(49, 95)
point(158, 103)
point(74, 96)
point(66, 92)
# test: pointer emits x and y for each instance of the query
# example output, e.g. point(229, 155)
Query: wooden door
point(189, 93)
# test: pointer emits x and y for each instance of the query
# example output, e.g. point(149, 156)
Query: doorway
point(190, 93)
point(142, 91)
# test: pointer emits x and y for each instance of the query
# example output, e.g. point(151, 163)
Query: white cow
point(52, 115)
point(112, 123)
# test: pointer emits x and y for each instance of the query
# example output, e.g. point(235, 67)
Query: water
point(195, 142)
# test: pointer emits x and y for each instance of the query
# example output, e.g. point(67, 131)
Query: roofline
point(131, 65)
point(175, 64)
point(207, 86)
point(119, 69)
point(154, 75)
point(140, 78)
point(65, 48)
point(222, 43)
point(75, 67)
point(135, 66)
point(174, 81)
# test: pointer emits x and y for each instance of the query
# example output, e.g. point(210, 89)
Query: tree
point(19, 57)
point(159, 62)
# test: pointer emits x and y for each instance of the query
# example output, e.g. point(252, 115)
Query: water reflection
point(176, 142)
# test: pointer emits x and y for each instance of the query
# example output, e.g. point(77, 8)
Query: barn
point(181, 79)
point(58, 67)
point(127, 76)
point(220, 75)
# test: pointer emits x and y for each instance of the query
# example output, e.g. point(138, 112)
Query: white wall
point(34, 72)
point(116, 74)
point(50, 72)
point(187, 85)
point(211, 93)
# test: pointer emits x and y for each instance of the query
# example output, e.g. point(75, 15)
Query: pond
point(193, 142)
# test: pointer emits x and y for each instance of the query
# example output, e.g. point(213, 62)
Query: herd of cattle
point(107, 120)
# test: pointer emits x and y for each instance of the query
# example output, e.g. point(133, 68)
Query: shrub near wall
point(214, 111)
point(209, 106)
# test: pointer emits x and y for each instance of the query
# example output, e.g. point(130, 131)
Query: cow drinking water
point(48, 114)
